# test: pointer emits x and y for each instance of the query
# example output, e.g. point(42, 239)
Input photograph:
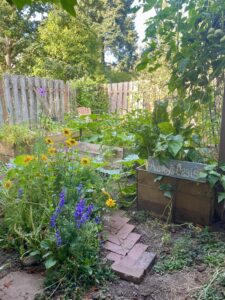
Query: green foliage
point(215, 175)
point(68, 5)
point(17, 135)
point(40, 196)
point(77, 54)
point(199, 246)
point(189, 36)
point(91, 93)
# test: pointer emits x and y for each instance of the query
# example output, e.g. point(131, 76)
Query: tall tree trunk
point(8, 49)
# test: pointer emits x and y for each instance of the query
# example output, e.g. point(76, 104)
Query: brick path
point(130, 258)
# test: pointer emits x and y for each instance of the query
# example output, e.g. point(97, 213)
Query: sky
point(140, 25)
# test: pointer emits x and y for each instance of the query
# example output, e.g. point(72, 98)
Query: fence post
point(222, 131)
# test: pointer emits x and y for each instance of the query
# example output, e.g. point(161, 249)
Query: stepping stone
point(114, 257)
point(121, 235)
point(132, 269)
point(20, 286)
point(125, 246)
point(130, 259)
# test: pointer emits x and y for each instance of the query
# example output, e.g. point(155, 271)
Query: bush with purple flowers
point(52, 206)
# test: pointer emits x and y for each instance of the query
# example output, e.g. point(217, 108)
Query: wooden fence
point(125, 96)
point(23, 99)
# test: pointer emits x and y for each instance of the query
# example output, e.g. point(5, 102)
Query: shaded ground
point(190, 265)
point(182, 270)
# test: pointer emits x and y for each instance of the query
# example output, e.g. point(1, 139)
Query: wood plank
point(24, 101)
point(16, 100)
point(8, 98)
point(3, 103)
point(56, 97)
point(51, 98)
point(32, 102)
point(39, 105)
point(61, 100)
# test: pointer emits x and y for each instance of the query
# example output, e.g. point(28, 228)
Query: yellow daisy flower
point(110, 202)
point(85, 161)
point(52, 151)
point(71, 142)
point(8, 184)
point(49, 141)
point(28, 158)
point(67, 131)
point(44, 157)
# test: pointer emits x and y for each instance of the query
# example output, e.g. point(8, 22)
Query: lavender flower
point(58, 238)
point(82, 212)
point(42, 91)
point(53, 220)
point(79, 188)
point(10, 165)
point(97, 220)
point(20, 192)
point(58, 210)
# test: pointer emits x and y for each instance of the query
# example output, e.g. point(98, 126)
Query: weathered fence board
point(23, 99)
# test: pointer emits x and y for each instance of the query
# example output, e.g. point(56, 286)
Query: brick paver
point(130, 258)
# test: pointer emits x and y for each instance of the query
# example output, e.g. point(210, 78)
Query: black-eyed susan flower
point(67, 131)
point(52, 151)
point(49, 141)
point(8, 184)
point(85, 161)
point(28, 158)
point(71, 142)
point(44, 157)
point(110, 202)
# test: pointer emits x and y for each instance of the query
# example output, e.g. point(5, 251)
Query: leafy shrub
point(52, 203)
point(90, 93)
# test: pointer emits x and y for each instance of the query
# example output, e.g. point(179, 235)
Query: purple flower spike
point(82, 212)
point(58, 238)
point(42, 91)
point(53, 220)
point(20, 193)
point(79, 188)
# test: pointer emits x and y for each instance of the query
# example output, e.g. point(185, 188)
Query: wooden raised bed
point(192, 202)
point(9, 151)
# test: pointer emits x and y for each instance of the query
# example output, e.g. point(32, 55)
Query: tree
point(17, 32)
point(114, 23)
point(67, 48)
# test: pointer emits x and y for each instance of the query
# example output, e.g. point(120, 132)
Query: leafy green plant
point(91, 93)
point(52, 203)
point(215, 175)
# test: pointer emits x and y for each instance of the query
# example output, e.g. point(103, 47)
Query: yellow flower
point(8, 184)
point(67, 131)
point(28, 158)
point(85, 161)
point(110, 202)
point(44, 157)
point(71, 142)
point(49, 141)
point(52, 151)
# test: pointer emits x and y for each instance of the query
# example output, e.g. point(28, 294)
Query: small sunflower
point(52, 151)
point(85, 161)
point(110, 202)
point(28, 158)
point(44, 157)
point(8, 184)
point(71, 142)
point(67, 131)
point(49, 141)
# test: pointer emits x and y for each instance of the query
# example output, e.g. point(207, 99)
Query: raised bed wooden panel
point(192, 201)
